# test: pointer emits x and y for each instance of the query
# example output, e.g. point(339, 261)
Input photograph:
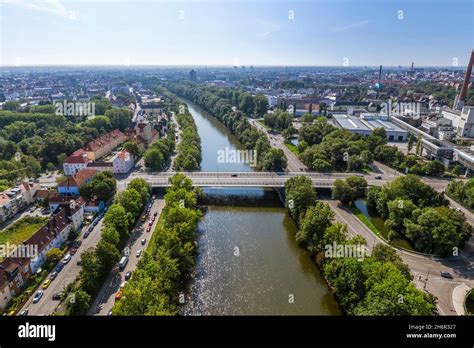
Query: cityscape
point(289, 164)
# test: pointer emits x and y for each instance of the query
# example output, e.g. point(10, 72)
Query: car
point(143, 241)
point(378, 177)
point(79, 262)
point(143, 219)
point(95, 222)
point(46, 284)
point(122, 285)
point(37, 296)
point(86, 234)
point(53, 275)
point(139, 252)
point(109, 313)
point(24, 312)
point(32, 209)
point(58, 296)
point(72, 251)
point(118, 295)
point(148, 228)
point(155, 213)
point(77, 244)
point(90, 229)
point(150, 205)
point(59, 267)
point(234, 175)
point(446, 275)
point(128, 275)
point(154, 197)
point(66, 259)
point(150, 222)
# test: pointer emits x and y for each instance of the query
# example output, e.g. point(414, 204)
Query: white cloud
point(350, 26)
point(267, 29)
point(54, 7)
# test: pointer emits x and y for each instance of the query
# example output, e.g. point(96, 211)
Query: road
point(106, 297)
point(178, 134)
point(68, 274)
point(277, 141)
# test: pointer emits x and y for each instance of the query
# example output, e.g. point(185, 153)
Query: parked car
point(67, 258)
point(155, 213)
point(58, 296)
point(139, 252)
point(118, 295)
point(128, 275)
point(378, 177)
point(37, 296)
point(46, 284)
point(148, 228)
point(79, 262)
point(143, 241)
point(109, 313)
point(446, 275)
point(24, 312)
point(72, 251)
point(53, 275)
point(77, 243)
point(234, 175)
point(123, 284)
point(86, 234)
point(59, 267)
point(143, 219)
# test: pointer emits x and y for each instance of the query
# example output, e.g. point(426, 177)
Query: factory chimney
point(467, 77)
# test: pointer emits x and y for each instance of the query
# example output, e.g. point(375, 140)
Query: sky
point(236, 32)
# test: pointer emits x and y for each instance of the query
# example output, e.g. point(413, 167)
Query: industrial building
point(366, 124)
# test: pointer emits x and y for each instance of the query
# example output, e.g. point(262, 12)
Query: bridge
point(253, 179)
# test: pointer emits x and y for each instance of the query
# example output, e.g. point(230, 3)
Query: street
point(106, 297)
point(68, 274)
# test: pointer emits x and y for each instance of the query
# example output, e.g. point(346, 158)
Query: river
point(248, 262)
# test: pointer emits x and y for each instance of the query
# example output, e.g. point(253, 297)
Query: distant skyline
point(228, 33)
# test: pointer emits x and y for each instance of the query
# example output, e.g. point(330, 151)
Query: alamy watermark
point(66, 108)
point(334, 250)
point(229, 155)
point(15, 250)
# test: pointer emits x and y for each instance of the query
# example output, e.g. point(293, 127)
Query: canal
point(248, 262)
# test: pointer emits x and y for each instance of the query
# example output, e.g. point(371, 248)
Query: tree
point(411, 140)
point(247, 104)
point(102, 186)
point(299, 194)
point(131, 200)
point(117, 218)
point(78, 302)
point(154, 159)
point(274, 160)
point(261, 105)
point(142, 187)
point(90, 271)
point(53, 256)
point(108, 255)
point(418, 145)
point(119, 118)
point(110, 235)
point(349, 190)
point(132, 147)
point(313, 226)
point(434, 168)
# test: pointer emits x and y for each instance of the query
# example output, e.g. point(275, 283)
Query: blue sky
point(233, 32)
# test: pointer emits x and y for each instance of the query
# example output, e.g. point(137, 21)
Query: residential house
point(104, 144)
point(16, 199)
point(123, 162)
point(70, 186)
point(77, 161)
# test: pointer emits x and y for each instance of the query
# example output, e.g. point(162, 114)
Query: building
point(104, 144)
point(76, 215)
point(462, 121)
point(94, 206)
point(16, 199)
point(193, 75)
point(352, 124)
point(71, 186)
point(77, 161)
point(14, 273)
point(374, 121)
point(101, 166)
point(122, 162)
point(367, 123)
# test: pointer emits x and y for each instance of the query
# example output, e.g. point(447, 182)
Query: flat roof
point(389, 126)
point(351, 123)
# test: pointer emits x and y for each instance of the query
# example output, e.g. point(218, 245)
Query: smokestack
point(467, 78)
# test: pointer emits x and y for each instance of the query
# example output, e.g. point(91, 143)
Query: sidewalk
point(459, 295)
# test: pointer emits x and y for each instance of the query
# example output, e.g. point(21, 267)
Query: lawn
point(365, 220)
point(22, 229)
point(292, 148)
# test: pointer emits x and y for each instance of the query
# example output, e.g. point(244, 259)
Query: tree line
point(156, 284)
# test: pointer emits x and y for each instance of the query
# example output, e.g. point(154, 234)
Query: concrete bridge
point(253, 179)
